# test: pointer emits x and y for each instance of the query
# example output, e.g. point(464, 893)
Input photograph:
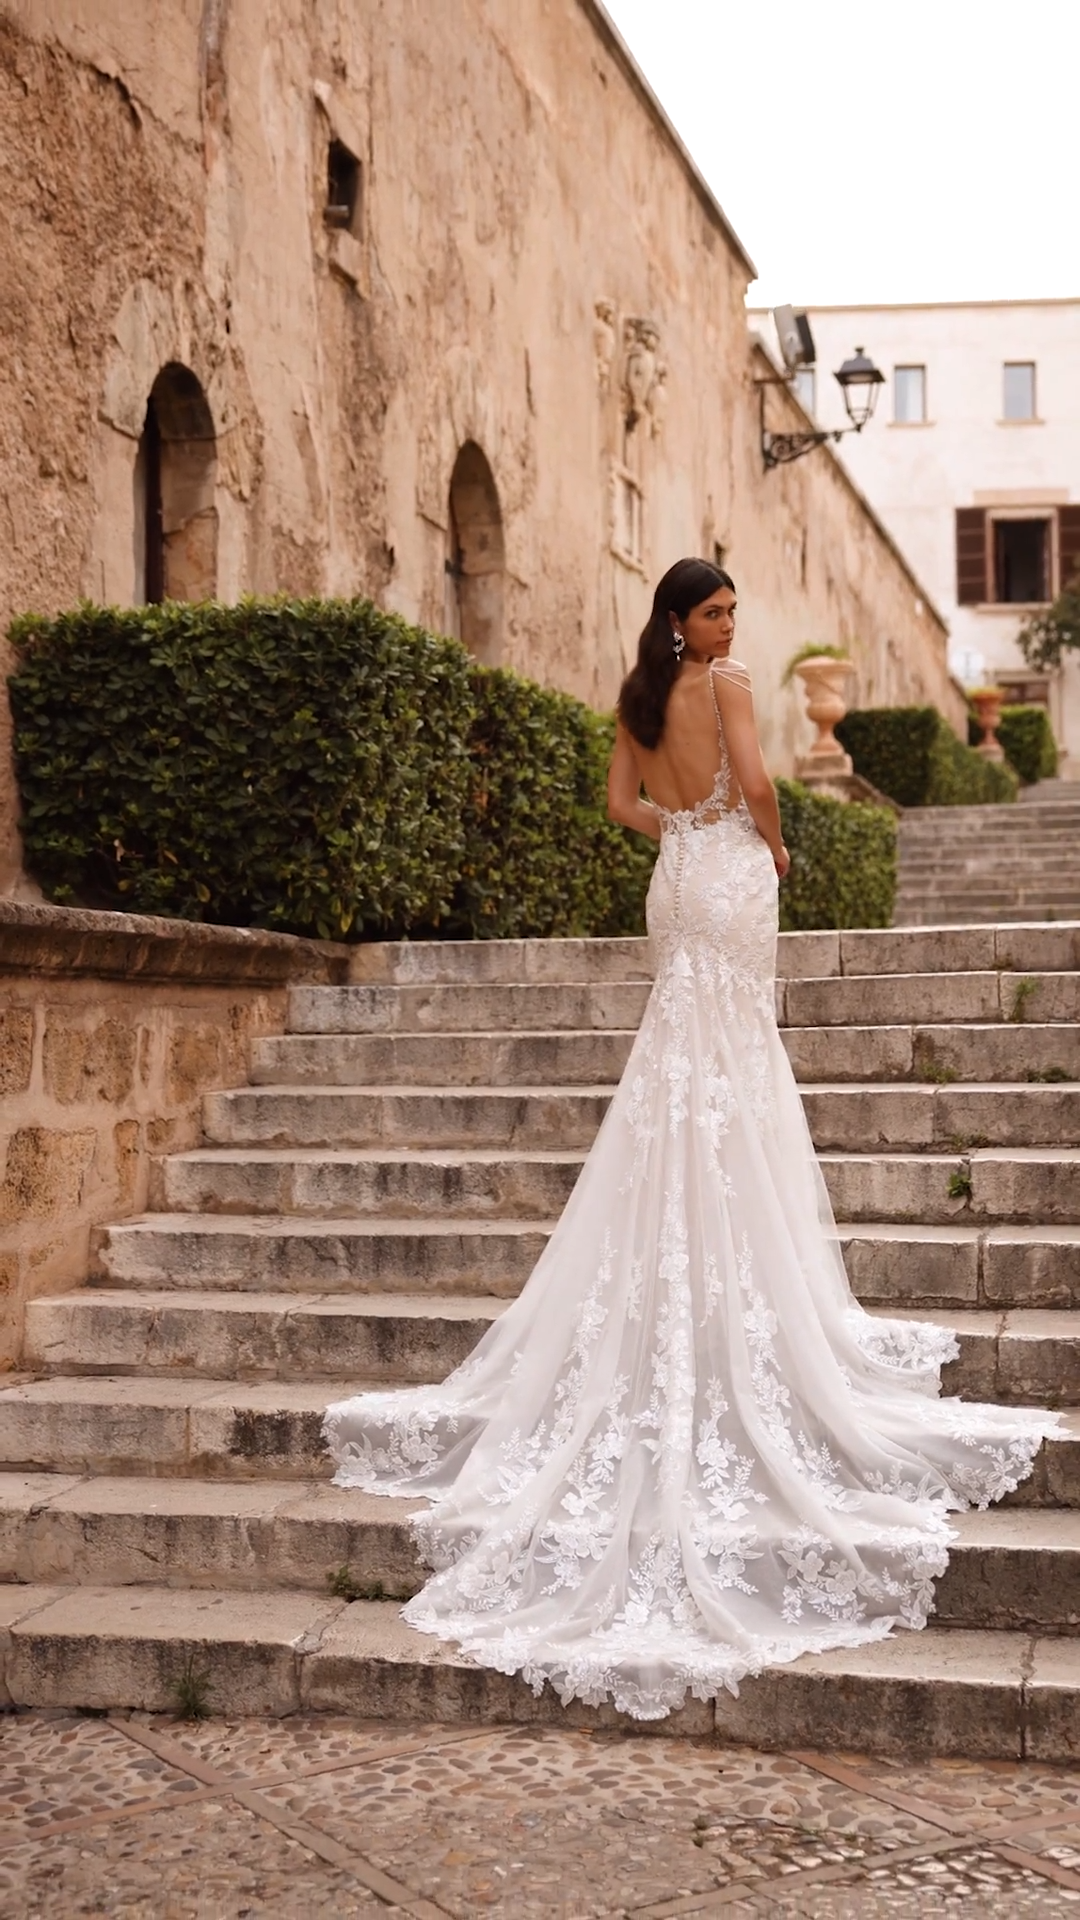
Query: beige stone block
point(128, 1160)
point(16, 1049)
point(128, 1646)
point(942, 1691)
point(1013, 1571)
point(88, 1062)
point(194, 1061)
point(369, 1661)
point(45, 1172)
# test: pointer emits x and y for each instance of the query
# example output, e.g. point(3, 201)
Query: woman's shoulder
point(733, 672)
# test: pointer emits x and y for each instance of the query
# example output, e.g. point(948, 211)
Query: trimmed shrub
point(541, 857)
point(300, 765)
point(913, 755)
point(322, 768)
point(1027, 740)
point(843, 861)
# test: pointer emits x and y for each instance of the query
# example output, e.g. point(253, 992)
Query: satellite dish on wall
point(795, 337)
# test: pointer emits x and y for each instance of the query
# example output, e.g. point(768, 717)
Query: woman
point(685, 1453)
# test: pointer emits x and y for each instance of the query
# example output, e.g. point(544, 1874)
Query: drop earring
point(679, 643)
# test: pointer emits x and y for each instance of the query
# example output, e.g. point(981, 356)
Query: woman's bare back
point(681, 772)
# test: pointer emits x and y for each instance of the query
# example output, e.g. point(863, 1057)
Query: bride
point(684, 1452)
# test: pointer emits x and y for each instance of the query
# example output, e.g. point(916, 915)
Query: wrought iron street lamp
point(859, 382)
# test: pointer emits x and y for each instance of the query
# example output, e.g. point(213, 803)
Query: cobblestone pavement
point(146, 1818)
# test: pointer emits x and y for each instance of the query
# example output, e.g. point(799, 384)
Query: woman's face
point(709, 628)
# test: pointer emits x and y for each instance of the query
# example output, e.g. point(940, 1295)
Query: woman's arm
point(624, 801)
point(736, 704)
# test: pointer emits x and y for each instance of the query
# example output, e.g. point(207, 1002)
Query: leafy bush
point(1027, 740)
point(843, 861)
point(913, 755)
point(323, 768)
point(541, 856)
point(293, 764)
point(1051, 634)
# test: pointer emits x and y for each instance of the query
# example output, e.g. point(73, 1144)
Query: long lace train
point(684, 1452)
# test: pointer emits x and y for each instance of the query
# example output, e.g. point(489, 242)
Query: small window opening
point(1021, 561)
point(719, 557)
point(342, 187)
point(909, 396)
point(1018, 390)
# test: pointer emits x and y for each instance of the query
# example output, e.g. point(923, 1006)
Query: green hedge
point(323, 768)
point(315, 766)
point(293, 764)
point(843, 861)
point(1027, 740)
point(541, 856)
point(913, 755)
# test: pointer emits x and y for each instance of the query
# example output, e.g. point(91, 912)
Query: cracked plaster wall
point(161, 186)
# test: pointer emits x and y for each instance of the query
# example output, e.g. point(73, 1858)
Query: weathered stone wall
point(530, 250)
point(112, 1027)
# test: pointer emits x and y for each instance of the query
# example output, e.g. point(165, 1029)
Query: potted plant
point(824, 672)
point(987, 702)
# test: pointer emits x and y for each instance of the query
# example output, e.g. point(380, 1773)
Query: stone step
point(929, 999)
point(427, 963)
point(351, 1182)
point(1032, 1184)
point(588, 1060)
point(1014, 1355)
point(287, 1254)
point(944, 1109)
point(961, 1264)
point(216, 1429)
point(1010, 1568)
point(837, 1000)
point(1020, 1054)
point(528, 1118)
point(984, 1695)
point(940, 914)
point(560, 1059)
point(944, 1116)
point(466, 1008)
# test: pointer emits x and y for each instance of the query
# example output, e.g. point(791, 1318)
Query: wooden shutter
point(971, 556)
point(1068, 544)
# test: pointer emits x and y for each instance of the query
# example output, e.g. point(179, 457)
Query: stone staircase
point(962, 865)
point(362, 1209)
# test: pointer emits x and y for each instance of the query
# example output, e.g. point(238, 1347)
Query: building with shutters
point(973, 462)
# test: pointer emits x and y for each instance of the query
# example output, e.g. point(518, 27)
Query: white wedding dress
point(684, 1452)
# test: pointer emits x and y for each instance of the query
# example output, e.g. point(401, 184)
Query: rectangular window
point(805, 385)
point(1021, 562)
point(1018, 390)
point(909, 395)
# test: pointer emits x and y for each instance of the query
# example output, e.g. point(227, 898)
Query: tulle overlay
point(684, 1453)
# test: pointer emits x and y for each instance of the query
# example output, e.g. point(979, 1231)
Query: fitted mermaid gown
point(685, 1453)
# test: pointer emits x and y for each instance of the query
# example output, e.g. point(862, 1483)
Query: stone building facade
point(420, 302)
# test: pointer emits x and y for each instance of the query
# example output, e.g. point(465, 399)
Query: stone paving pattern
point(147, 1818)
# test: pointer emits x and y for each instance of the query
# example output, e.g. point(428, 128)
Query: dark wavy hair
point(643, 696)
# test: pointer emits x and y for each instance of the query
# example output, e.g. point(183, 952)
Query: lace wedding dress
point(684, 1453)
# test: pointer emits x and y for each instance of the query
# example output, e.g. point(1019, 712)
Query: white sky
point(896, 150)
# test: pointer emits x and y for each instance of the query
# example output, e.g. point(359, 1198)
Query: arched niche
point(176, 519)
point(475, 561)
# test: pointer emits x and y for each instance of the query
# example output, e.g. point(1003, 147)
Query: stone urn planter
point(987, 702)
point(824, 681)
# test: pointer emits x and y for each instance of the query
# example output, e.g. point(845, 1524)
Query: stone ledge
point(66, 942)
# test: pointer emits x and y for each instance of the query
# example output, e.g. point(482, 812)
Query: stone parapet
point(112, 1027)
point(74, 941)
